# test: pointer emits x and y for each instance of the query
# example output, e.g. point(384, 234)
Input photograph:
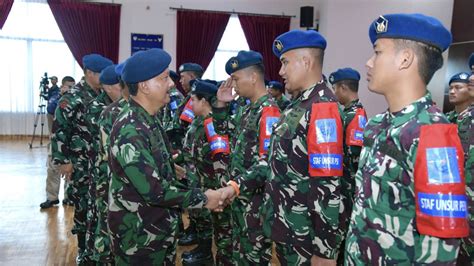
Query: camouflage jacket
point(145, 198)
point(106, 121)
point(283, 102)
point(247, 167)
point(452, 116)
point(352, 152)
point(170, 110)
point(301, 210)
point(71, 136)
point(94, 109)
point(209, 170)
point(383, 228)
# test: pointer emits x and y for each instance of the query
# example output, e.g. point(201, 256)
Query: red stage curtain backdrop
point(5, 7)
point(260, 32)
point(198, 35)
point(88, 27)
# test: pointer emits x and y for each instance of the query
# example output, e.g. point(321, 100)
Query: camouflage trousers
point(202, 219)
point(102, 249)
point(250, 246)
point(91, 218)
point(292, 255)
point(79, 186)
point(466, 253)
point(222, 223)
point(166, 256)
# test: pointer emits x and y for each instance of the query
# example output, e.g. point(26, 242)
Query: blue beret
point(460, 77)
point(471, 61)
point(416, 27)
point(344, 74)
point(108, 76)
point(275, 85)
point(145, 65)
point(190, 67)
point(95, 62)
point(119, 68)
point(203, 88)
point(242, 60)
point(295, 39)
point(174, 76)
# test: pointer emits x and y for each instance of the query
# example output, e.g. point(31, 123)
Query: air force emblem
point(381, 25)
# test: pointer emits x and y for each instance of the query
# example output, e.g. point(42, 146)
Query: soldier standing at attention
point(459, 95)
point(145, 198)
point(248, 170)
point(277, 91)
point(305, 158)
point(71, 141)
point(410, 202)
point(465, 122)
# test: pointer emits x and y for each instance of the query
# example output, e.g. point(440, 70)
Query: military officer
point(145, 199)
point(459, 95)
point(71, 141)
point(410, 203)
point(277, 91)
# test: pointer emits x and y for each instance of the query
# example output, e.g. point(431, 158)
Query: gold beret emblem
point(381, 25)
point(278, 45)
point(234, 64)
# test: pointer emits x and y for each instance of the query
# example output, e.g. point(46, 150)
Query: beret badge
point(381, 25)
point(278, 45)
point(234, 64)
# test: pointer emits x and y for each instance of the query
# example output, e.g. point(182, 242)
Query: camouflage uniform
point(301, 212)
point(106, 120)
point(170, 110)
point(283, 102)
point(452, 116)
point(71, 142)
point(145, 200)
point(250, 171)
point(465, 122)
point(382, 229)
point(211, 173)
point(178, 128)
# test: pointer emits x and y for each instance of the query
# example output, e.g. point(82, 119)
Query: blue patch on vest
point(210, 130)
point(452, 206)
point(362, 121)
point(326, 161)
point(266, 144)
point(188, 113)
point(442, 164)
point(359, 135)
point(173, 105)
point(270, 121)
point(326, 130)
point(218, 144)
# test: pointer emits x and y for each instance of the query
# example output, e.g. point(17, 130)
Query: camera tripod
point(41, 116)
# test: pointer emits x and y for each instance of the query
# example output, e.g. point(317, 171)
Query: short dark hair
point(260, 69)
point(67, 79)
point(430, 58)
point(353, 85)
point(197, 74)
point(133, 88)
point(208, 98)
point(318, 54)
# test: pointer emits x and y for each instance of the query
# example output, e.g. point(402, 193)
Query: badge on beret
point(381, 25)
point(234, 64)
point(278, 45)
point(181, 68)
point(463, 76)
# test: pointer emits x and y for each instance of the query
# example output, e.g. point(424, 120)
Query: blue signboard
point(146, 41)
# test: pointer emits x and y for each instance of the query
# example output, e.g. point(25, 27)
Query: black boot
point(201, 255)
point(189, 237)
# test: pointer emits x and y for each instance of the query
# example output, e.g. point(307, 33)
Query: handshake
point(217, 200)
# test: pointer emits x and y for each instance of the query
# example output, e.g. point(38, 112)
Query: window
point(32, 44)
point(233, 40)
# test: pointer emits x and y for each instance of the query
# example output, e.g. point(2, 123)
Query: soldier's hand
point(318, 261)
point(180, 172)
point(213, 198)
point(66, 170)
point(228, 195)
point(224, 94)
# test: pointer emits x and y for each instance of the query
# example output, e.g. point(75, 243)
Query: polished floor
point(28, 235)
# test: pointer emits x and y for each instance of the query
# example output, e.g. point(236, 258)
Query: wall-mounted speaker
point(306, 16)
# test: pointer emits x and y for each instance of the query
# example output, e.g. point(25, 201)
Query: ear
point(306, 61)
point(406, 58)
point(143, 87)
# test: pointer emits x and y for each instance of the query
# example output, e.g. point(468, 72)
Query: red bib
point(355, 129)
point(325, 140)
point(188, 114)
point(440, 190)
point(218, 143)
point(270, 116)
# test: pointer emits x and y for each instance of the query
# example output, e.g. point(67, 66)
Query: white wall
point(344, 23)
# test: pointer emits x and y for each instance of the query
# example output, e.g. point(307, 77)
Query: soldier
point(145, 198)
point(209, 160)
point(169, 111)
point(71, 141)
point(410, 202)
point(305, 158)
point(465, 122)
point(277, 91)
point(248, 171)
point(345, 84)
point(459, 95)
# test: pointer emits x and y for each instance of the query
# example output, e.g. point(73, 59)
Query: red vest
point(270, 116)
point(218, 143)
point(188, 114)
point(355, 129)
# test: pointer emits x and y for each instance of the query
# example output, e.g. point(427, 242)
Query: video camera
point(44, 86)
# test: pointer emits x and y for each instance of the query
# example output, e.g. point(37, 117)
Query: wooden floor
point(28, 235)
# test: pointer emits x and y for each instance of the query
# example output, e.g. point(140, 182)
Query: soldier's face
point(339, 92)
point(157, 89)
point(186, 77)
point(291, 71)
point(93, 79)
point(459, 93)
point(274, 93)
point(113, 91)
point(382, 67)
point(198, 105)
point(242, 83)
point(66, 86)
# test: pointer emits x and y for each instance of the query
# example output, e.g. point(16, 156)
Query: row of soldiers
point(290, 175)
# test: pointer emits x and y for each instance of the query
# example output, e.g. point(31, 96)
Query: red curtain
point(260, 32)
point(198, 35)
point(88, 27)
point(5, 7)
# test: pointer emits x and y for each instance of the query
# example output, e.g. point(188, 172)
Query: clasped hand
point(217, 200)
